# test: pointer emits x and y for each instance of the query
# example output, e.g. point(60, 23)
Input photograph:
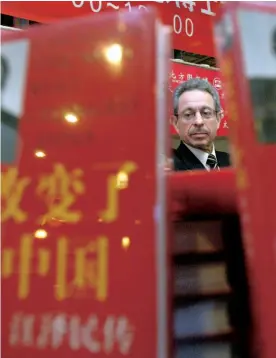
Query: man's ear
point(174, 121)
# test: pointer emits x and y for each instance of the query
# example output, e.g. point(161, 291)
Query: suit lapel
point(189, 160)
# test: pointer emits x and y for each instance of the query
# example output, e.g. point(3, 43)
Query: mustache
point(198, 131)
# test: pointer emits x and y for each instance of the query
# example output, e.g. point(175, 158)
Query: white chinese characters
point(113, 334)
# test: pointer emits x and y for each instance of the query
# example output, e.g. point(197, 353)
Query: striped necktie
point(212, 162)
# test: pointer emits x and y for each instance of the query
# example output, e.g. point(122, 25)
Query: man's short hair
point(4, 70)
point(195, 84)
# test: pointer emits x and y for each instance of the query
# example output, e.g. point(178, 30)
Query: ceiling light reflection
point(71, 118)
point(126, 242)
point(40, 154)
point(114, 54)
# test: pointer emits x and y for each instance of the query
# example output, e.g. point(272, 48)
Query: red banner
point(191, 21)
point(182, 72)
point(82, 253)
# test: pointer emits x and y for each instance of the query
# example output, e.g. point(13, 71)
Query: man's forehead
point(196, 98)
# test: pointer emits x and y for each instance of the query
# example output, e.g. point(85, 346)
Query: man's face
point(197, 122)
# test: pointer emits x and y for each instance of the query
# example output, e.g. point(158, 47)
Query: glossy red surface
point(79, 247)
point(202, 193)
point(254, 160)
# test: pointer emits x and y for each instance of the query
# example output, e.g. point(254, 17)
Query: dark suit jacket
point(184, 159)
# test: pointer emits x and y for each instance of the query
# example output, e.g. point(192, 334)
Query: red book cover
point(83, 202)
point(250, 98)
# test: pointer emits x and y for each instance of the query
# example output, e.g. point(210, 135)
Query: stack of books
point(201, 291)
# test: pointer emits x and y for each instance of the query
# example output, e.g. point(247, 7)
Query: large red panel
point(80, 235)
point(250, 98)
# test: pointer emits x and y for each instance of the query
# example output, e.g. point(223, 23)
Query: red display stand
point(240, 203)
point(210, 278)
point(250, 98)
point(216, 195)
point(95, 233)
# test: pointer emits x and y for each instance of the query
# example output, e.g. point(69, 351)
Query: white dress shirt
point(201, 155)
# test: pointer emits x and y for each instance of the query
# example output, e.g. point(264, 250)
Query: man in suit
point(9, 122)
point(197, 116)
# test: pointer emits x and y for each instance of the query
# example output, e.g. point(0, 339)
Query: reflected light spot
point(125, 242)
point(122, 180)
point(41, 234)
point(114, 54)
point(40, 154)
point(71, 118)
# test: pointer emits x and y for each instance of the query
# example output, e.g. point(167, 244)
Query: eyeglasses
point(190, 114)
